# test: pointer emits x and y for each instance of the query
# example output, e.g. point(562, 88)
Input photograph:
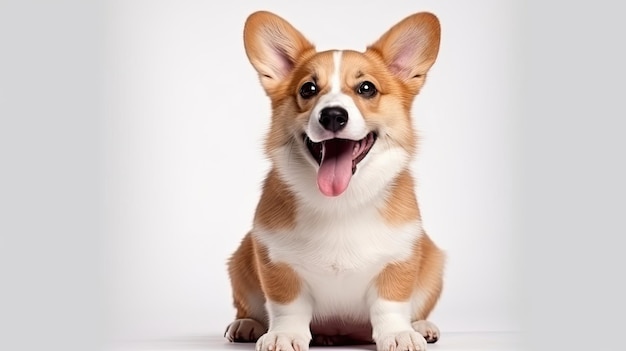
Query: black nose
point(334, 118)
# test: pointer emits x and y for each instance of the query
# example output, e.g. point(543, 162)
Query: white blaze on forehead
point(335, 78)
point(356, 128)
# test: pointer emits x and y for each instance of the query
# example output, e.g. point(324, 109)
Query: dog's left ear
point(410, 47)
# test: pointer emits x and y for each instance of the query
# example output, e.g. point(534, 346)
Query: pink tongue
point(335, 170)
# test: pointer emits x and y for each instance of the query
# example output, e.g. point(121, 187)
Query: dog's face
point(340, 113)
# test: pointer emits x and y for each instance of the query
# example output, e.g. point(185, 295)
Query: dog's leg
point(406, 292)
point(289, 307)
point(391, 326)
point(289, 326)
point(391, 308)
point(428, 290)
point(251, 318)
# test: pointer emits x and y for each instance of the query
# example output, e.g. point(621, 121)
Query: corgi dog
point(337, 253)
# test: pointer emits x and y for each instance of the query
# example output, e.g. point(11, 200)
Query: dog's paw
point(275, 341)
point(403, 341)
point(244, 330)
point(429, 331)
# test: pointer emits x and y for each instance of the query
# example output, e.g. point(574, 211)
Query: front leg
point(391, 326)
point(289, 306)
point(289, 328)
point(404, 292)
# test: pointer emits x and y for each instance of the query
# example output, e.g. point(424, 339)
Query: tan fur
point(430, 275)
point(401, 204)
point(287, 113)
point(244, 276)
point(422, 271)
point(279, 281)
point(390, 109)
point(253, 273)
point(277, 206)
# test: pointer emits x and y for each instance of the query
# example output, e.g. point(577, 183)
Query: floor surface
point(448, 342)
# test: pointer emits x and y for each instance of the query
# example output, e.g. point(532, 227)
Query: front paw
point(427, 329)
point(407, 340)
point(281, 341)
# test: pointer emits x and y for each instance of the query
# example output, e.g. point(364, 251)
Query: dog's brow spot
point(359, 74)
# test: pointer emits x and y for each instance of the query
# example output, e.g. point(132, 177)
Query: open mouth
point(338, 160)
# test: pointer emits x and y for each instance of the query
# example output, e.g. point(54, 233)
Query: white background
point(569, 181)
point(184, 122)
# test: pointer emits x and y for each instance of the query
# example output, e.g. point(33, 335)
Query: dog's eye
point(367, 89)
point(308, 90)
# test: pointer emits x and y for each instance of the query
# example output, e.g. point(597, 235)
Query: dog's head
point(338, 114)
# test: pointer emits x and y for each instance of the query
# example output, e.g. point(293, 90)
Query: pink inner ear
point(401, 65)
point(283, 63)
point(406, 56)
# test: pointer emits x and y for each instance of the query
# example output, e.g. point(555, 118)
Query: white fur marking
point(390, 317)
point(335, 79)
point(293, 317)
point(391, 326)
point(289, 326)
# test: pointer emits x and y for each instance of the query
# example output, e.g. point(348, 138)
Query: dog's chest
point(337, 257)
point(340, 243)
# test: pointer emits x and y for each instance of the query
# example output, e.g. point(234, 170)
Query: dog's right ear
point(273, 46)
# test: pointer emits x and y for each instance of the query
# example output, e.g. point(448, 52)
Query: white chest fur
point(338, 256)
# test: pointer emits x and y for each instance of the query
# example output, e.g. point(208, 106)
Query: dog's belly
point(337, 331)
point(340, 309)
point(340, 296)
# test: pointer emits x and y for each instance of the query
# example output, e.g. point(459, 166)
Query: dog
point(337, 253)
